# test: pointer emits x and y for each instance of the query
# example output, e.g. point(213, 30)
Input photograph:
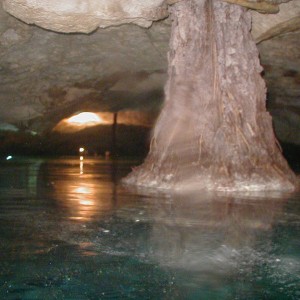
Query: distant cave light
point(81, 121)
point(85, 118)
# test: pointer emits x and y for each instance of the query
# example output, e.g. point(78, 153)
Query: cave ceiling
point(62, 57)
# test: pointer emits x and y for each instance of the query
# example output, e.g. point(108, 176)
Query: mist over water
point(70, 230)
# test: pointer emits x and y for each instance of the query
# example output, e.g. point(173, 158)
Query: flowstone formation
point(214, 132)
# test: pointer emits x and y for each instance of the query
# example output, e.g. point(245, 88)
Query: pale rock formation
point(287, 20)
point(86, 16)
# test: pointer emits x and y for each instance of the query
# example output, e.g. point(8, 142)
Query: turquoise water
point(70, 230)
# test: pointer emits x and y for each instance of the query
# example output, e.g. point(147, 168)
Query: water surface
point(70, 230)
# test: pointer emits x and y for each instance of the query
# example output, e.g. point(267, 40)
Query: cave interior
point(57, 61)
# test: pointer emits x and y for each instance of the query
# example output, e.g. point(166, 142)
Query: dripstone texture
point(214, 132)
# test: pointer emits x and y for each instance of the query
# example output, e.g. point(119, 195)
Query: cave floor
point(70, 230)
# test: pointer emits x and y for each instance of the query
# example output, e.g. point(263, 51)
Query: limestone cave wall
point(47, 75)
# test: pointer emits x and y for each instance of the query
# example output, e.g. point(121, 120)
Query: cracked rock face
point(47, 75)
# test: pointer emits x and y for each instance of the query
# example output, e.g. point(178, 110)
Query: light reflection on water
point(69, 230)
point(85, 198)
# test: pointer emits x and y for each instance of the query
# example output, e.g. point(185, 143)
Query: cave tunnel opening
point(115, 134)
point(190, 132)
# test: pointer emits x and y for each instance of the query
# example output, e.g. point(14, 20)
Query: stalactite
point(214, 131)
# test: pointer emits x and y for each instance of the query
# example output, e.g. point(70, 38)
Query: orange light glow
point(86, 202)
point(89, 119)
point(85, 118)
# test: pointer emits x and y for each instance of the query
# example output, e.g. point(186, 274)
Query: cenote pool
point(70, 230)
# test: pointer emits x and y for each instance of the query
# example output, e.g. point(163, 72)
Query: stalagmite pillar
point(214, 132)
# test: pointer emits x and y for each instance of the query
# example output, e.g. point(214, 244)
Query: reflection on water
point(69, 230)
point(83, 189)
point(19, 177)
point(214, 236)
point(84, 197)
